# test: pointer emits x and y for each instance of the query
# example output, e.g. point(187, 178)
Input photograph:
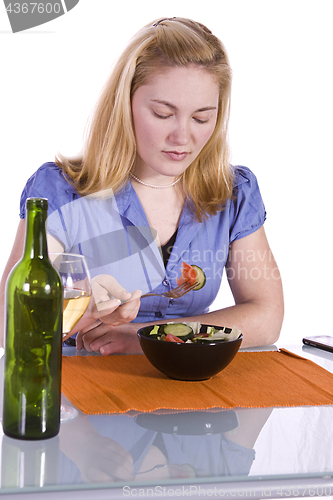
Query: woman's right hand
point(111, 303)
point(111, 306)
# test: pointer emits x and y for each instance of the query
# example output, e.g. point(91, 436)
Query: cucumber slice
point(200, 277)
point(180, 330)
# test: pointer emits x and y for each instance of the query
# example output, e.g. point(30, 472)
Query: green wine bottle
point(34, 296)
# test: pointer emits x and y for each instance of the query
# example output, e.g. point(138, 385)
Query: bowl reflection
point(189, 423)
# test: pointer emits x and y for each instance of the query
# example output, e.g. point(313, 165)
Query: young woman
point(153, 188)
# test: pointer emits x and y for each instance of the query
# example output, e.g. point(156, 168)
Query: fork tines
point(184, 288)
point(191, 287)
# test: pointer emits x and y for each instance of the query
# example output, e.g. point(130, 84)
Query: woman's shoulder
point(48, 182)
point(243, 175)
point(50, 173)
point(246, 210)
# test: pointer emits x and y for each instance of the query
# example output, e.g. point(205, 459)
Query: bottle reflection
point(29, 463)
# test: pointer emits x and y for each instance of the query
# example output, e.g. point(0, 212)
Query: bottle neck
point(35, 240)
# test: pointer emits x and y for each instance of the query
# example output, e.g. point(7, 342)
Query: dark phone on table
point(324, 342)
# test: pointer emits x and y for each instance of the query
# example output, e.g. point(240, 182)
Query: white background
point(281, 118)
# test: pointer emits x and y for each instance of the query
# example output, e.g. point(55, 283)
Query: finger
point(125, 313)
point(112, 460)
point(90, 327)
point(113, 449)
point(101, 309)
point(126, 344)
point(129, 310)
point(106, 285)
point(93, 475)
point(80, 336)
point(79, 342)
point(117, 464)
point(93, 339)
point(105, 308)
point(134, 295)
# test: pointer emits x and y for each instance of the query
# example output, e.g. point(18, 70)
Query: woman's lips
point(175, 156)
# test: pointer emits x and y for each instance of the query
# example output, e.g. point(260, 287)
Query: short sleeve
point(247, 209)
point(48, 182)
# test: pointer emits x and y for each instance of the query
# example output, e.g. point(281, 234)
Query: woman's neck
point(163, 211)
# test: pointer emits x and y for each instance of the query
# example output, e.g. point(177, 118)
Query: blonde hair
point(110, 147)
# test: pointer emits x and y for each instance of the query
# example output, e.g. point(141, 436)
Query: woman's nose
point(180, 134)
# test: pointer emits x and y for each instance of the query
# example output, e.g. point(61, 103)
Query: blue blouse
point(113, 233)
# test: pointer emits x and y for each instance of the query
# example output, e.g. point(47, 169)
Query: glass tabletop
point(243, 452)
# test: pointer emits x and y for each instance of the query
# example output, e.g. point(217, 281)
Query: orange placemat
point(117, 384)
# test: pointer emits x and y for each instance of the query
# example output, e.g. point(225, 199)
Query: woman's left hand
point(106, 339)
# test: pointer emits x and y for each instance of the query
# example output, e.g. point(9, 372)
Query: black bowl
point(188, 361)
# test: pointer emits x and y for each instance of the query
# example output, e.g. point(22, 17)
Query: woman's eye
point(163, 117)
point(200, 121)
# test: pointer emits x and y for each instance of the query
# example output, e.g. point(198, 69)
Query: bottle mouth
point(41, 203)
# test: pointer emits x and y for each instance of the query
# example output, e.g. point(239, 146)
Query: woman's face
point(174, 115)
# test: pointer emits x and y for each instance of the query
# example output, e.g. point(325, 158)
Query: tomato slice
point(173, 338)
point(187, 274)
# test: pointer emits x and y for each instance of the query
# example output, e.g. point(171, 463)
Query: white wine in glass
point(75, 305)
point(74, 274)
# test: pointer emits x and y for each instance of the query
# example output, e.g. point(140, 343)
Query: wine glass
point(74, 274)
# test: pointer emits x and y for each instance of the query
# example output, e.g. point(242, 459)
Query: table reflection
point(127, 447)
point(178, 445)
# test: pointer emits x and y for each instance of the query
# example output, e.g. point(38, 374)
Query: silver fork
point(176, 293)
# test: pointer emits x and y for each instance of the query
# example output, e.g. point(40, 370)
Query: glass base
point(67, 413)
